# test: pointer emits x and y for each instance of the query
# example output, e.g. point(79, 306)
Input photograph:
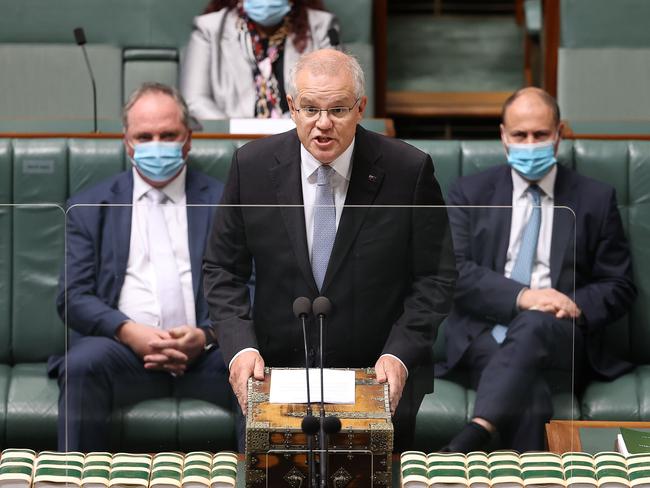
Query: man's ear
point(129, 149)
point(504, 140)
point(560, 135)
point(292, 107)
point(187, 147)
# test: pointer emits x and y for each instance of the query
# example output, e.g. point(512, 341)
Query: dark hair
point(299, 24)
point(544, 97)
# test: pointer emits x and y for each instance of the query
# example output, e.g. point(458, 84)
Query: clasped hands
point(551, 301)
point(164, 350)
point(250, 363)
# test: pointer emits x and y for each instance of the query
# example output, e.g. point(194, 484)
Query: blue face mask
point(532, 161)
point(267, 12)
point(158, 161)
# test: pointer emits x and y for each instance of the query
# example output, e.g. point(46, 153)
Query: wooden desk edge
point(564, 435)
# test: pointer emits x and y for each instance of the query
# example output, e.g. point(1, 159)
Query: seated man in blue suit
point(133, 288)
point(519, 309)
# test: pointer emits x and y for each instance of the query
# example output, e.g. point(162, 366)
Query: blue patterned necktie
point(324, 224)
point(523, 267)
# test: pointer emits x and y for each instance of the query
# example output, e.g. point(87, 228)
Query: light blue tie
point(523, 267)
point(324, 224)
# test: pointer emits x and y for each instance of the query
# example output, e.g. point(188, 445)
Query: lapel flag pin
point(372, 178)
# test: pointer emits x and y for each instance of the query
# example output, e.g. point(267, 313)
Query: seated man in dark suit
point(519, 308)
point(132, 291)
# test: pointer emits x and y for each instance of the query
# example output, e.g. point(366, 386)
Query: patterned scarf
point(266, 50)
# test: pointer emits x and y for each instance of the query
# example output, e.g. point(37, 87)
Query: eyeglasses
point(335, 112)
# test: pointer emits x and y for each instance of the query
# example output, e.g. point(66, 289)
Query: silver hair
point(155, 87)
point(330, 66)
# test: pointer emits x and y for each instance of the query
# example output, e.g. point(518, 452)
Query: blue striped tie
point(523, 267)
point(324, 224)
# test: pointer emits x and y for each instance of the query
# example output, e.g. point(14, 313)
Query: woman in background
point(239, 55)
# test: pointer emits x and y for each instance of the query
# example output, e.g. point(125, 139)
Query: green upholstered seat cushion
point(167, 424)
point(5, 374)
point(626, 398)
point(31, 407)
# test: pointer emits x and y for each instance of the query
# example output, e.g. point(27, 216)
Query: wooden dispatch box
point(276, 447)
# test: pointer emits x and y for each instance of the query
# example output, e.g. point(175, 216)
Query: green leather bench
point(46, 171)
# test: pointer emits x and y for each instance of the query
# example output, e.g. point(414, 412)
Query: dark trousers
point(512, 391)
point(100, 374)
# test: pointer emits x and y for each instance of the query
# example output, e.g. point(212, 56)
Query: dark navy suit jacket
point(98, 240)
point(604, 289)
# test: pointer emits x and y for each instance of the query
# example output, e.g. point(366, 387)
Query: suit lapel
point(500, 218)
point(563, 222)
point(198, 221)
point(120, 221)
point(365, 181)
point(286, 178)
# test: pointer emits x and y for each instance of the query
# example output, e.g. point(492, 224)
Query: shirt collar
point(547, 183)
point(341, 165)
point(175, 190)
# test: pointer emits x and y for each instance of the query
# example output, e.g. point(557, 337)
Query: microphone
point(310, 424)
point(334, 38)
point(321, 308)
point(80, 38)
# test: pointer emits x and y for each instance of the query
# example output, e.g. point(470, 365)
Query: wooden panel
point(445, 104)
point(380, 54)
point(564, 435)
point(550, 43)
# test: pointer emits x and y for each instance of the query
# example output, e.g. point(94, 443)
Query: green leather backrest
point(604, 61)
point(48, 81)
point(608, 161)
point(355, 18)
point(5, 248)
point(93, 160)
point(604, 84)
point(638, 222)
point(39, 176)
point(604, 23)
point(128, 23)
point(49, 170)
point(142, 65)
point(445, 156)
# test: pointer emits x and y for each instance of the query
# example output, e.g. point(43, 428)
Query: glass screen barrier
point(388, 265)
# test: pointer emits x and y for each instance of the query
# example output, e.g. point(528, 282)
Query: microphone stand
point(80, 38)
point(321, 308)
point(301, 308)
point(311, 468)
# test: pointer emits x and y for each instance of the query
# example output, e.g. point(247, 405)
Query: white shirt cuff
point(243, 350)
point(400, 361)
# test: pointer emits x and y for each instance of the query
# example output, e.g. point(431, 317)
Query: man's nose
point(324, 121)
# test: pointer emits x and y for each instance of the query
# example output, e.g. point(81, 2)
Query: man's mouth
point(323, 139)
